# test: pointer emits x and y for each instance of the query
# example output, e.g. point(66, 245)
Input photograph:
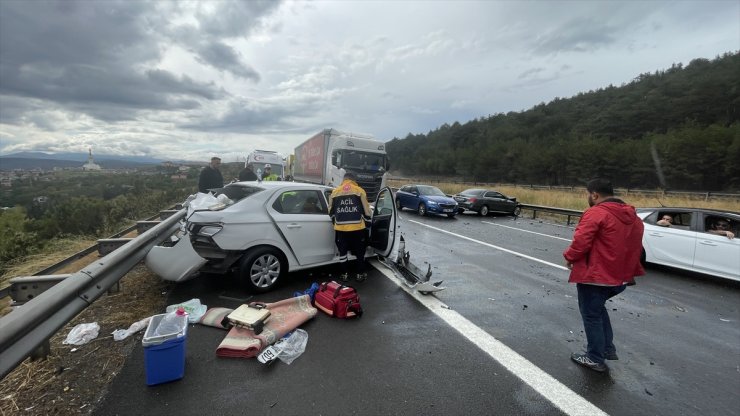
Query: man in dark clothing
point(247, 174)
point(604, 257)
point(210, 176)
point(349, 210)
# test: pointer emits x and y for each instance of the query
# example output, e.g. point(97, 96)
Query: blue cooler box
point(164, 355)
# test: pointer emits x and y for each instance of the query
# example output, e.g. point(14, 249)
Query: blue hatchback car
point(425, 199)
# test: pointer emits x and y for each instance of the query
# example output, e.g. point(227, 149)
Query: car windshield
point(430, 191)
point(471, 192)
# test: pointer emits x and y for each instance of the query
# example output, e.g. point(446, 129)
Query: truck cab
point(366, 158)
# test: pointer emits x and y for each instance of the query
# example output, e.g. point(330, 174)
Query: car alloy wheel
point(422, 209)
point(261, 269)
point(484, 210)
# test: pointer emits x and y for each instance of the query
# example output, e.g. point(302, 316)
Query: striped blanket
point(286, 315)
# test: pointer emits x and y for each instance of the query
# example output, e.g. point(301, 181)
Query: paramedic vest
point(348, 207)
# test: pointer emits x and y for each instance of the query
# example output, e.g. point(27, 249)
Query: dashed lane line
point(505, 250)
point(525, 231)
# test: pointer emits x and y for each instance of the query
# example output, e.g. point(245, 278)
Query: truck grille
point(371, 189)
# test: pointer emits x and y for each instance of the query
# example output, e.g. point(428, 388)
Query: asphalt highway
point(497, 341)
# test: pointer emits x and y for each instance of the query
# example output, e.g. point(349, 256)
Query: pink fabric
point(285, 316)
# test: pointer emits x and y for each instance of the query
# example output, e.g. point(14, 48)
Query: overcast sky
point(192, 79)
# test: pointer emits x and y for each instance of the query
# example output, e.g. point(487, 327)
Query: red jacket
point(607, 245)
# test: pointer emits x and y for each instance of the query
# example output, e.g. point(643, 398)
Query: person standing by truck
point(210, 177)
point(349, 210)
point(247, 174)
point(267, 175)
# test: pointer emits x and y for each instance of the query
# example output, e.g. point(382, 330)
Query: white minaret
point(90, 165)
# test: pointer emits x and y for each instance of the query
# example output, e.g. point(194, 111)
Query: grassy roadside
point(577, 199)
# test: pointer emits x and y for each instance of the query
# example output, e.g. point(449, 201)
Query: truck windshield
point(363, 160)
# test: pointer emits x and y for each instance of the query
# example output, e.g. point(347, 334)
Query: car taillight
point(472, 200)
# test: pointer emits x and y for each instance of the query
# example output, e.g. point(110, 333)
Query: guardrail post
point(42, 351)
point(534, 213)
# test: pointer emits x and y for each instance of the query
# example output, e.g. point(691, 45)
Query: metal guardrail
point(35, 322)
point(570, 213)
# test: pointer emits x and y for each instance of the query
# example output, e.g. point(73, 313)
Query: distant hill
point(26, 163)
point(677, 128)
point(82, 157)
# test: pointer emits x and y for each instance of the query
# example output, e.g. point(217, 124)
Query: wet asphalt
point(677, 335)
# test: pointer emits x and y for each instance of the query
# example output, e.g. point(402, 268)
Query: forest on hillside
point(675, 129)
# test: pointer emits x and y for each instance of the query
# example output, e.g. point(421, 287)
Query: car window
point(471, 192)
point(679, 219)
point(300, 202)
point(718, 222)
point(430, 191)
point(491, 194)
point(384, 205)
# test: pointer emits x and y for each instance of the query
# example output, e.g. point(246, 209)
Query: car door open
point(383, 227)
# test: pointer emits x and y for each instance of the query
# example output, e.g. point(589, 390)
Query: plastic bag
point(292, 346)
point(193, 307)
point(82, 334)
point(121, 334)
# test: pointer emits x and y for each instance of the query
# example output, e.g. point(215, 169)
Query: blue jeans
point(598, 328)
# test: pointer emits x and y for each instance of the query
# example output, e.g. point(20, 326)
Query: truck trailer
point(325, 157)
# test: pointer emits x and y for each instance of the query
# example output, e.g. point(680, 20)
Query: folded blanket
point(286, 315)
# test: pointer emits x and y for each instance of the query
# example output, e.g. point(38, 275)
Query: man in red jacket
point(603, 259)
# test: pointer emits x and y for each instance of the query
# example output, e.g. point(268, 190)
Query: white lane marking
point(525, 231)
point(548, 387)
point(506, 250)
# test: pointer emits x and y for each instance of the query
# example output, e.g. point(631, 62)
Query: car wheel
point(261, 268)
point(484, 210)
point(517, 211)
point(422, 209)
point(398, 204)
point(451, 215)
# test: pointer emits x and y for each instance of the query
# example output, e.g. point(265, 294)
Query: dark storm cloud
point(101, 57)
point(261, 116)
point(576, 35)
point(235, 19)
point(224, 57)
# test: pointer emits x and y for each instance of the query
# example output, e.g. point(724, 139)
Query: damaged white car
point(263, 230)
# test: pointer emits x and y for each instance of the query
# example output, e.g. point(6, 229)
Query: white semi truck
point(325, 157)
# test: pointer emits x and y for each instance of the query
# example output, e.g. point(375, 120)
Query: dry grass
point(577, 199)
point(72, 383)
point(54, 253)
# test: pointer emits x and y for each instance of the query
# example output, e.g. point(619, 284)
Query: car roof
point(686, 209)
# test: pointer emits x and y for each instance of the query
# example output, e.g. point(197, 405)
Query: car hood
point(441, 199)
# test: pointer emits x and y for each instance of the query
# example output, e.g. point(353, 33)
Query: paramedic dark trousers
point(355, 242)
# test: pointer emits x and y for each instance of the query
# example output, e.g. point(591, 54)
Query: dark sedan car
point(485, 201)
point(425, 199)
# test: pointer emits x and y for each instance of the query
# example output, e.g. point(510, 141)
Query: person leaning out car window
point(665, 221)
point(721, 226)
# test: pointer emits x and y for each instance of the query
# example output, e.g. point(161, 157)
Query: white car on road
point(689, 243)
point(263, 231)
